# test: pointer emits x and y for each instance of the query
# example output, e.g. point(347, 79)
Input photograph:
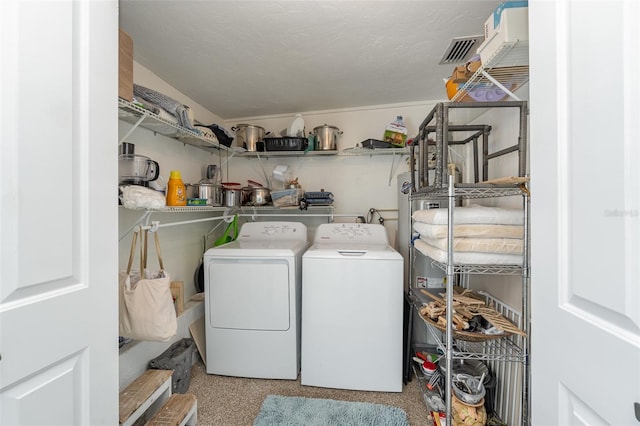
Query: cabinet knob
point(636, 408)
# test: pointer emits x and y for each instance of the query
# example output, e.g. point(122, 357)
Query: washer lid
point(352, 251)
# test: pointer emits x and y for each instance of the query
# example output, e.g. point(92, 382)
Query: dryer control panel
point(273, 231)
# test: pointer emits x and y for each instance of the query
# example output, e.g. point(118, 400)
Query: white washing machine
point(352, 309)
point(252, 302)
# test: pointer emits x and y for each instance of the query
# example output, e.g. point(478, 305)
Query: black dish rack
point(316, 198)
point(286, 144)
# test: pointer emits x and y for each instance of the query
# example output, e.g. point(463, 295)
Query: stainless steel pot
point(250, 137)
point(233, 197)
point(211, 192)
point(260, 196)
point(326, 137)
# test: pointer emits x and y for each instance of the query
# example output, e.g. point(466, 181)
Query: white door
point(58, 217)
point(585, 212)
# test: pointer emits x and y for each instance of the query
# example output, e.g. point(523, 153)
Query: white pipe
point(156, 224)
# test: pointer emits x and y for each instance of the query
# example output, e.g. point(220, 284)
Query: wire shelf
point(508, 68)
point(349, 152)
point(132, 113)
point(267, 154)
point(471, 190)
point(481, 269)
point(506, 348)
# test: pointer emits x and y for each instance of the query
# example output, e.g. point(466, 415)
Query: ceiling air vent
point(461, 49)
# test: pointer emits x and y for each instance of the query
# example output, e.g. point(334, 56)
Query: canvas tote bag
point(146, 304)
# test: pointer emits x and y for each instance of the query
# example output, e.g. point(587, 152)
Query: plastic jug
point(396, 132)
point(176, 190)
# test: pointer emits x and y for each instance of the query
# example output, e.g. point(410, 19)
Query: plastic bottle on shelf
point(396, 132)
point(176, 190)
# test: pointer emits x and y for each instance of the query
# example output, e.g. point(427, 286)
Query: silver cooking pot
point(326, 137)
point(232, 197)
point(260, 196)
point(210, 191)
point(250, 137)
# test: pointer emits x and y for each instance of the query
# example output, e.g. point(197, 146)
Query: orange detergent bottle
point(176, 191)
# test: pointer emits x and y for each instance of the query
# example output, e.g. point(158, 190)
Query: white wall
point(357, 182)
point(182, 246)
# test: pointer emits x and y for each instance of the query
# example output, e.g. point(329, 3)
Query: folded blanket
point(165, 102)
point(479, 245)
point(471, 214)
point(467, 258)
point(149, 106)
point(480, 230)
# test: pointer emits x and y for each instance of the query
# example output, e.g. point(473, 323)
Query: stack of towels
point(481, 235)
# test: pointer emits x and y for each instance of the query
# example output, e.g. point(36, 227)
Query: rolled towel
point(168, 104)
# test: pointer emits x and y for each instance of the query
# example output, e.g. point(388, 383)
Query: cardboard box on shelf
point(460, 74)
point(125, 66)
point(473, 66)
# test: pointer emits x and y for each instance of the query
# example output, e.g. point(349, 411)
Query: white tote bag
point(146, 305)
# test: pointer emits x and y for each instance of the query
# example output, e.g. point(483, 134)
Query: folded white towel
point(467, 258)
point(479, 245)
point(475, 230)
point(471, 214)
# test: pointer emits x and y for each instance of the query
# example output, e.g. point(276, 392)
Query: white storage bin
point(509, 23)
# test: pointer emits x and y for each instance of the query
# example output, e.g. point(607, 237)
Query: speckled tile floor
point(236, 401)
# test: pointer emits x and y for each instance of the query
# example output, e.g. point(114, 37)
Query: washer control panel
point(351, 232)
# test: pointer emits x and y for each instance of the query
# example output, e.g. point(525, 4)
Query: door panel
point(31, 402)
point(58, 222)
point(576, 412)
point(585, 104)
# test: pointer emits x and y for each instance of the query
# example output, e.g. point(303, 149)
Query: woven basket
point(468, 336)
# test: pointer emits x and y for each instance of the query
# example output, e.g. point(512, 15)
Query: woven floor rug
point(299, 411)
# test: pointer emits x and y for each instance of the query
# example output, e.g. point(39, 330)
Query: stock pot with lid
point(326, 137)
point(250, 137)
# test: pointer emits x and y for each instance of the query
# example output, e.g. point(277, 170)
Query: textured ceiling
point(245, 58)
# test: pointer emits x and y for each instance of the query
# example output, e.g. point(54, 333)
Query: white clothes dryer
point(252, 302)
point(352, 309)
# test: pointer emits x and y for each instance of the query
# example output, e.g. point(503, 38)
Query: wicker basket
point(469, 336)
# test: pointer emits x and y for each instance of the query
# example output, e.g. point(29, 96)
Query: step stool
point(151, 387)
point(181, 409)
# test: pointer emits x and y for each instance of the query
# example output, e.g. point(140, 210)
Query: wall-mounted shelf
point(138, 116)
point(356, 151)
point(267, 154)
point(507, 69)
point(234, 210)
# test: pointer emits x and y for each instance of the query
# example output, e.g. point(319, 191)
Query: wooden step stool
point(142, 393)
point(179, 410)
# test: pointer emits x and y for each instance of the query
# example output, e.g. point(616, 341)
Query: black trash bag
point(222, 134)
point(179, 359)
